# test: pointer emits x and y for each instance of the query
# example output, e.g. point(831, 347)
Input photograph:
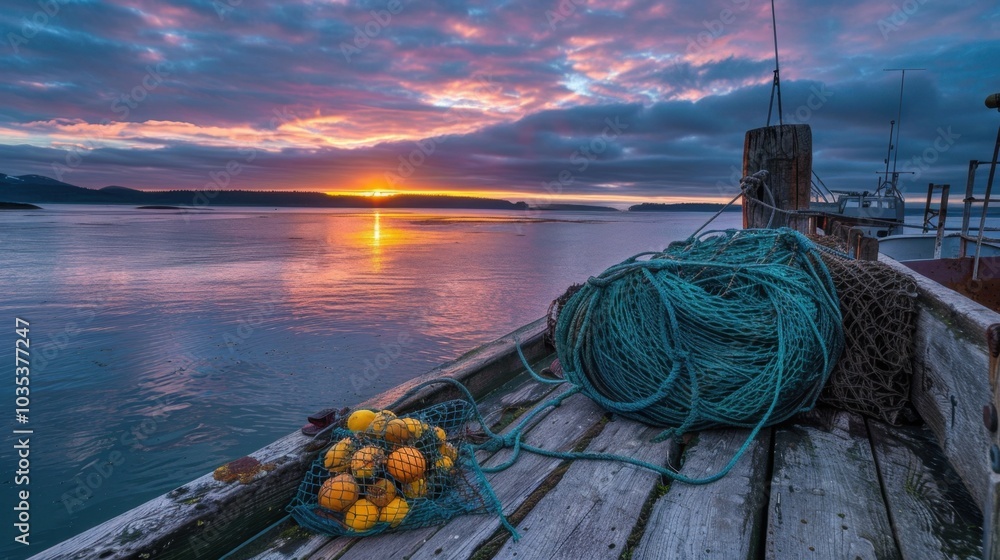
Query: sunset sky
point(624, 100)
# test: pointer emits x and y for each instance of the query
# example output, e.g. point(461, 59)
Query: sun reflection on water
point(377, 243)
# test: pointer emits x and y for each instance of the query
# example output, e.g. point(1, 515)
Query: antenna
point(776, 86)
point(899, 121)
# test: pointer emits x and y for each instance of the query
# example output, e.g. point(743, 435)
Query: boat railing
point(977, 237)
point(941, 214)
point(992, 102)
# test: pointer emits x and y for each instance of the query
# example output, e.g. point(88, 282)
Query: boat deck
point(828, 484)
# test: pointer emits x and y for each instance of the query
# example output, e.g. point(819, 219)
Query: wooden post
point(785, 151)
point(860, 246)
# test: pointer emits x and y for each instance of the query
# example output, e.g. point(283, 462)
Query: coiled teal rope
point(711, 332)
point(737, 328)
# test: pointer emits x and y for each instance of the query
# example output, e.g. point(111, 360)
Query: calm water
point(167, 344)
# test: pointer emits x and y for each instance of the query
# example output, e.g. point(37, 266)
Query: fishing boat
point(965, 259)
point(827, 484)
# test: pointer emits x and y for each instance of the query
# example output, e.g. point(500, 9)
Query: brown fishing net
point(878, 304)
point(552, 316)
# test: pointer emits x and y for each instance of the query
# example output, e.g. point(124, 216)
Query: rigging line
point(777, 74)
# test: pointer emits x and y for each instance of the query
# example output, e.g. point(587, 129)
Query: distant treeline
point(682, 207)
point(38, 189)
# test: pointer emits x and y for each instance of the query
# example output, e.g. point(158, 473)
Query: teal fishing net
point(736, 328)
point(396, 473)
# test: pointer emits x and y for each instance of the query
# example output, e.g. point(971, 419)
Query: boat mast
point(888, 156)
point(893, 186)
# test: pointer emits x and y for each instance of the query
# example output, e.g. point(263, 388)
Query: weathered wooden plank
point(591, 512)
point(558, 431)
point(724, 519)
point(932, 513)
point(825, 498)
point(282, 549)
point(332, 549)
point(950, 380)
point(206, 518)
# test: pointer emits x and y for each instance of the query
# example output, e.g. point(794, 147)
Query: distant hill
point(576, 208)
point(38, 189)
point(682, 207)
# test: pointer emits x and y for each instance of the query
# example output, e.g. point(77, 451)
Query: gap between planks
point(826, 501)
point(721, 520)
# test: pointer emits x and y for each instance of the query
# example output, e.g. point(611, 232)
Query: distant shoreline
point(683, 207)
point(18, 206)
point(30, 189)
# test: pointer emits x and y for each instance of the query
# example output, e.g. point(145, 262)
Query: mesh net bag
point(395, 473)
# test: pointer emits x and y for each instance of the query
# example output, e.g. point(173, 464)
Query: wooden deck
point(827, 485)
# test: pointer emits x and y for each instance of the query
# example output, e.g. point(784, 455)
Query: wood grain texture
point(931, 511)
point(725, 519)
point(206, 518)
point(558, 431)
point(825, 497)
point(785, 151)
point(282, 549)
point(950, 387)
point(951, 379)
point(591, 512)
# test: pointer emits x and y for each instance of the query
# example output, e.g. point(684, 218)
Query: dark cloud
point(507, 95)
